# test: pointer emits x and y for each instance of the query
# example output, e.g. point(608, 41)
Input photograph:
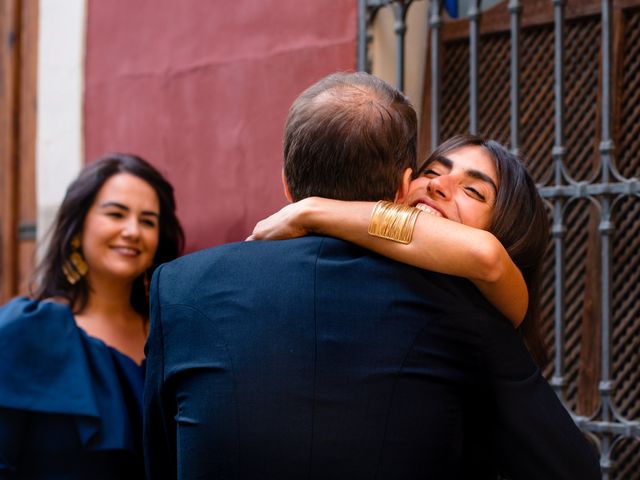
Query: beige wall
point(383, 49)
point(60, 88)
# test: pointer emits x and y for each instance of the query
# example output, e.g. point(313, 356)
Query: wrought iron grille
point(559, 81)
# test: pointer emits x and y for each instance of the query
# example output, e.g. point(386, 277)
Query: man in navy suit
point(313, 358)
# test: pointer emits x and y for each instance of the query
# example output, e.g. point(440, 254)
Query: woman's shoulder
point(35, 320)
point(43, 364)
point(28, 307)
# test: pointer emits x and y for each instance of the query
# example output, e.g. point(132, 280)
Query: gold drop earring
point(75, 267)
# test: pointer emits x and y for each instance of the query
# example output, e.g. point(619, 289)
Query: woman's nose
point(131, 229)
point(439, 187)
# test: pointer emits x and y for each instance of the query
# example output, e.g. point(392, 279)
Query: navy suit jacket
point(313, 358)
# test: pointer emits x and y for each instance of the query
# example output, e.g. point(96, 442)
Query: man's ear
point(286, 188)
point(403, 191)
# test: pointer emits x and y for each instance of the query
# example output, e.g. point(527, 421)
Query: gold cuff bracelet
point(393, 221)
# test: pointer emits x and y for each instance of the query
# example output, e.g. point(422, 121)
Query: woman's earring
point(74, 268)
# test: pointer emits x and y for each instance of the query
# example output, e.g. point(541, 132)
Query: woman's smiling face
point(121, 230)
point(460, 185)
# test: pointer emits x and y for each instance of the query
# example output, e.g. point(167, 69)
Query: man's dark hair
point(349, 137)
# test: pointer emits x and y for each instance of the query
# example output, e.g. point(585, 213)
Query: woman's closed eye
point(429, 172)
point(475, 194)
point(148, 222)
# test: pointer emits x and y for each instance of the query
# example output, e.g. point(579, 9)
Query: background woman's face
point(460, 185)
point(121, 230)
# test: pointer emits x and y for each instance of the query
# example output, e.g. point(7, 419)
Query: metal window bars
point(606, 189)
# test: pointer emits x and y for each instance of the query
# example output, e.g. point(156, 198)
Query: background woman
point(487, 222)
point(71, 372)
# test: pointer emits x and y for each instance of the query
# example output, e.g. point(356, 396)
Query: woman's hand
point(284, 224)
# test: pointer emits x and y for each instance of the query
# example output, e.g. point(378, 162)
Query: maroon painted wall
point(201, 89)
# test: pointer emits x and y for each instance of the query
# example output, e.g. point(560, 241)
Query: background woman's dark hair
point(521, 224)
point(50, 281)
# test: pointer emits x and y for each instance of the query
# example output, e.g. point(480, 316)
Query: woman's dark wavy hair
point(519, 221)
point(50, 281)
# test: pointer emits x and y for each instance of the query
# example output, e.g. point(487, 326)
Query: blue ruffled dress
point(70, 406)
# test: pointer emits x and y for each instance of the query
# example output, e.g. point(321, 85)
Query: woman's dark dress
point(70, 406)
